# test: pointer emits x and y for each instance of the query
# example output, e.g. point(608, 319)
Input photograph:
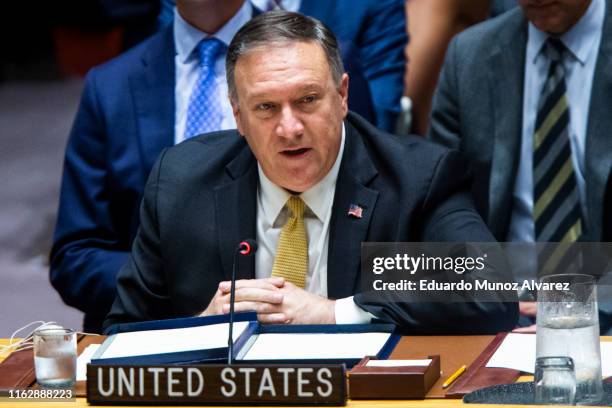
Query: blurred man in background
point(526, 97)
point(372, 37)
point(131, 108)
point(433, 23)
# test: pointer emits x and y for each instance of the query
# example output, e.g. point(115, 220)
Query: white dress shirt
point(582, 41)
point(271, 217)
point(186, 40)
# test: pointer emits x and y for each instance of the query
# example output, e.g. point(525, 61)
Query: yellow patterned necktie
point(291, 261)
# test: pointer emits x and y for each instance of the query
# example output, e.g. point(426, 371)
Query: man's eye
point(264, 107)
point(308, 99)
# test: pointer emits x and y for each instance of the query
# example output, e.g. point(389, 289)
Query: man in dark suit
point(290, 176)
point(526, 96)
point(132, 107)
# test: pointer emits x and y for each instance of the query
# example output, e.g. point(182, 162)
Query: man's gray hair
point(281, 27)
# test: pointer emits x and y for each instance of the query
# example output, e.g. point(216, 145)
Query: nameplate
point(216, 384)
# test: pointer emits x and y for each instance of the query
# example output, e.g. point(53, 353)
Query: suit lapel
point(347, 232)
point(235, 208)
point(153, 92)
point(598, 160)
point(506, 78)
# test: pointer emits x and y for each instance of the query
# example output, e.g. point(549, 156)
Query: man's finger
point(259, 307)
point(272, 318)
point(222, 298)
point(276, 281)
point(528, 329)
point(268, 284)
point(528, 308)
point(258, 295)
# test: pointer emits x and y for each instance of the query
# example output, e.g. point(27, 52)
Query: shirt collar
point(318, 198)
point(187, 37)
point(579, 40)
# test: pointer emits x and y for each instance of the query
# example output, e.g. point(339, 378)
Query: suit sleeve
point(445, 116)
point(88, 248)
point(448, 215)
point(383, 43)
point(142, 288)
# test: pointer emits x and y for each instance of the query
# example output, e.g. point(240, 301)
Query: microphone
point(245, 248)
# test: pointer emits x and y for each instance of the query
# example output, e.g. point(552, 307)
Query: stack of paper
point(141, 343)
point(312, 346)
point(518, 352)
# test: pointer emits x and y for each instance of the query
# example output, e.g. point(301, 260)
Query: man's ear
point(236, 112)
point(343, 90)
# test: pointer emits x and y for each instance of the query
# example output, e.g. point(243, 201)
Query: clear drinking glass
point(55, 357)
point(555, 381)
point(568, 326)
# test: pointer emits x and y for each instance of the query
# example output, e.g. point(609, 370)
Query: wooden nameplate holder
point(401, 382)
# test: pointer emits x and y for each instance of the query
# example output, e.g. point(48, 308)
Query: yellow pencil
point(453, 377)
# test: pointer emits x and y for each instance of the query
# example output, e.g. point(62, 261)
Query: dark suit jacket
point(200, 201)
point(478, 108)
point(125, 119)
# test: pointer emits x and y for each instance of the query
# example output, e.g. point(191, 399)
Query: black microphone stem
point(230, 340)
point(246, 247)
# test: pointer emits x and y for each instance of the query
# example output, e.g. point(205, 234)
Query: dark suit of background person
point(372, 37)
point(410, 189)
point(125, 118)
point(478, 108)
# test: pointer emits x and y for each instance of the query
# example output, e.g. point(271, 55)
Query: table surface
point(427, 403)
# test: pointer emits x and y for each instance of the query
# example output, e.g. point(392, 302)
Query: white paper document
point(309, 346)
point(142, 343)
point(518, 352)
point(398, 363)
point(83, 360)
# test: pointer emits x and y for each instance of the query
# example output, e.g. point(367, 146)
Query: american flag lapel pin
point(355, 211)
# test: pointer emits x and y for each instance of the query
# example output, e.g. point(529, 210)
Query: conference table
point(454, 351)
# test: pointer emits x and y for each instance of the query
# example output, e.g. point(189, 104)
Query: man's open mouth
point(295, 152)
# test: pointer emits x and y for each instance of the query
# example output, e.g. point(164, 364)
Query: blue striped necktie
point(274, 5)
point(204, 113)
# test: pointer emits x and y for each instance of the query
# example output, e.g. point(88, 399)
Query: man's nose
point(289, 125)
